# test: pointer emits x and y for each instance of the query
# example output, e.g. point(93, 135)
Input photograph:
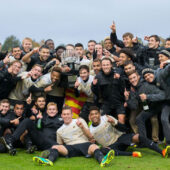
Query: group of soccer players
point(96, 105)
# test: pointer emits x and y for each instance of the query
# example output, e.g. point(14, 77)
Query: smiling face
point(96, 67)
point(27, 45)
point(163, 58)
point(95, 116)
point(129, 68)
point(44, 54)
point(108, 44)
point(99, 49)
point(40, 103)
point(36, 72)
point(52, 110)
point(16, 67)
point(55, 76)
point(67, 116)
point(106, 66)
point(127, 41)
point(16, 53)
point(123, 58)
point(84, 74)
point(91, 47)
point(153, 43)
point(4, 107)
point(149, 77)
point(134, 79)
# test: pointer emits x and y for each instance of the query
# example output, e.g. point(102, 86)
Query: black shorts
point(122, 142)
point(78, 149)
point(107, 109)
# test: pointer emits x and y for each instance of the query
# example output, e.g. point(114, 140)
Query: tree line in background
point(13, 41)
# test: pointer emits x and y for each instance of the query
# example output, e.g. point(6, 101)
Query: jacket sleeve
point(95, 88)
point(114, 40)
point(164, 73)
point(155, 93)
point(4, 121)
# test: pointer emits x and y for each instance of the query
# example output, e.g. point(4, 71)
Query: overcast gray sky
point(72, 21)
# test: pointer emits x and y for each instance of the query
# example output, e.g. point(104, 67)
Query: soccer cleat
point(137, 154)
point(42, 161)
point(9, 147)
point(107, 159)
point(166, 152)
point(31, 149)
point(45, 154)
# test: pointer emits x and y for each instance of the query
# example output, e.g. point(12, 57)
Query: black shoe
point(8, 145)
point(31, 149)
point(88, 156)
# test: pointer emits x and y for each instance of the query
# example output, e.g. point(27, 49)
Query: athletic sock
point(98, 155)
point(53, 155)
point(117, 152)
point(122, 153)
point(2, 148)
point(150, 144)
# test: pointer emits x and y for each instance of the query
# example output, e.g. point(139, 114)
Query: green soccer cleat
point(108, 158)
point(42, 161)
point(166, 152)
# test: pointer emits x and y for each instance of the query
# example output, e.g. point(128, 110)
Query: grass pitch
point(150, 161)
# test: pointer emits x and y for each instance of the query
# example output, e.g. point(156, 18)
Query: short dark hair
point(108, 59)
point(67, 108)
point(47, 41)
point(94, 108)
point(56, 69)
point(128, 62)
point(16, 46)
point(168, 39)
point(128, 34)
point(4, 101)
point(70, 45)
point(79, 45)
point(44, 46)
point(128, 52)
point(41, 96)
point(132, 72)
point(60, 47)
point(156, 37)
point(19, 103)
point(15, 61)
point(97, 60)
point(84, 67)
point(92, 41)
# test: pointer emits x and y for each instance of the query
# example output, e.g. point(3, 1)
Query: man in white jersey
point(105, 132)
point(73, 140)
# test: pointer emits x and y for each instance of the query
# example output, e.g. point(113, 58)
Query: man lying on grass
point(104, 131)
point(73, 138)
point(42, 137)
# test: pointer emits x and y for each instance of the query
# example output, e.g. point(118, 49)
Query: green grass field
point(149, 161)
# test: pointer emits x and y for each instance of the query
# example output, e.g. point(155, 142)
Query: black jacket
point(7, 83)
point(148, 57)
point(162, 80)
point(154, 95)
point(111, 89)
point(50, 125)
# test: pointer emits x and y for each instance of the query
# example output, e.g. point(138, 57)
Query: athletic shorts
point(78, 149)
point(122, 142)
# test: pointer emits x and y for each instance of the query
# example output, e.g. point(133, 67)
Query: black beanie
point(147, 70)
